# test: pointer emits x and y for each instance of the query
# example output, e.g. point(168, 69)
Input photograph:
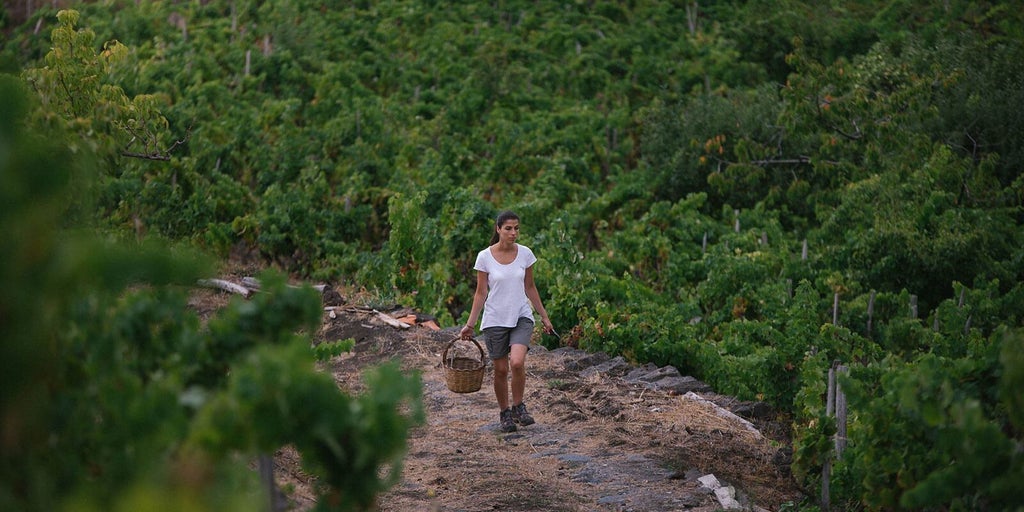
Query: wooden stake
point(871, 310)
point(840, 438)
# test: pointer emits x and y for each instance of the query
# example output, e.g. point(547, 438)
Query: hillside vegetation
point(751, 191)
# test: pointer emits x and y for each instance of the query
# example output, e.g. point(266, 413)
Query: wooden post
point(960, 304)
point(704, 244)
point(764, 238)
point(840, 399)
point(835, 309)
point(830, 398)
point(691, 17)
point(248, 60)
point(913, 306)
point(736, 224)
point(871, 310)
point(826, 467)
point(266, 468)
point(835, 406)
point(803, 252)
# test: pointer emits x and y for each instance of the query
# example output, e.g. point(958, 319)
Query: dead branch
point(227, 286)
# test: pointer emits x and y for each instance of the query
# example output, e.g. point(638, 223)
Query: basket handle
point(444, 355)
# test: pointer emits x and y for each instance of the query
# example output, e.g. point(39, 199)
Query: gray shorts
point(499, 340)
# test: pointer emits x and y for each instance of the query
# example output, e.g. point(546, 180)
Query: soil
point(602, 441)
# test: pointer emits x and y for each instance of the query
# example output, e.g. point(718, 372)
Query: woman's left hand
point(548, 328)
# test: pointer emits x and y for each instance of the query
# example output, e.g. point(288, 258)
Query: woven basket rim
point(463, 380)
point(445, 359)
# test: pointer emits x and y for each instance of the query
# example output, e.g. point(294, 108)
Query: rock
point(709, 481)
point(635, 374)
point(725, 495)
point(615, 367)
point(679, 385)
point(331, 297)
point(656, 375)
point(727, 498)
point(666, 378)
point(586, 361)
point(753, 410)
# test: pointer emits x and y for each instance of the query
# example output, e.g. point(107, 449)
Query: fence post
point(871, 310)
point(704, 244)
point(266, 467)
point(840, 440)
point(835, 406)
point(803, 252)
point(835, 309)
point(826, 467)
point(913, 306)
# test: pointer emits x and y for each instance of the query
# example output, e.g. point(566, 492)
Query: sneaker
point(507, 423)
point(520, 415)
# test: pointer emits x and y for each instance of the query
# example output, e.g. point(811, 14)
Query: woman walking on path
point(504, 292)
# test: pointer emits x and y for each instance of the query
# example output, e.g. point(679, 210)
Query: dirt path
point(602, 441)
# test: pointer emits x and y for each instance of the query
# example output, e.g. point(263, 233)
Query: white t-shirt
point(506, 288)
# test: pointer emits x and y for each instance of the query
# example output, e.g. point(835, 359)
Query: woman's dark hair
point(503, 217)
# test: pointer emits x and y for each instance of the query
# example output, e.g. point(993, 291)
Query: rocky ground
point(610, 436)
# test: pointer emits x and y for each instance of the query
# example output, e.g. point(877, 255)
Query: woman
point(504, 291)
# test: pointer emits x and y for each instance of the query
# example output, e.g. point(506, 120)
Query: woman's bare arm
point(534, 296)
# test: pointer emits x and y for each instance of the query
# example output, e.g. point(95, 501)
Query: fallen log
point(388, 319)
point(254, 284)
point(332, 311)
point(227, 286)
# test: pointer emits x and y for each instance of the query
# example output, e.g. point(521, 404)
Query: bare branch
point(146, 156)
point(782, 161)
point(164, 155)
point(856, 135)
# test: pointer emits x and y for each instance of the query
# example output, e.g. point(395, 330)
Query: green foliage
point(1013, 375)
point(345, 441)
point(940, 443)
point(118, 395)
point(325, 351)
point(671, 163)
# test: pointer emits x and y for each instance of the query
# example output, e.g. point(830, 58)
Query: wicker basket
point(463, 374)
